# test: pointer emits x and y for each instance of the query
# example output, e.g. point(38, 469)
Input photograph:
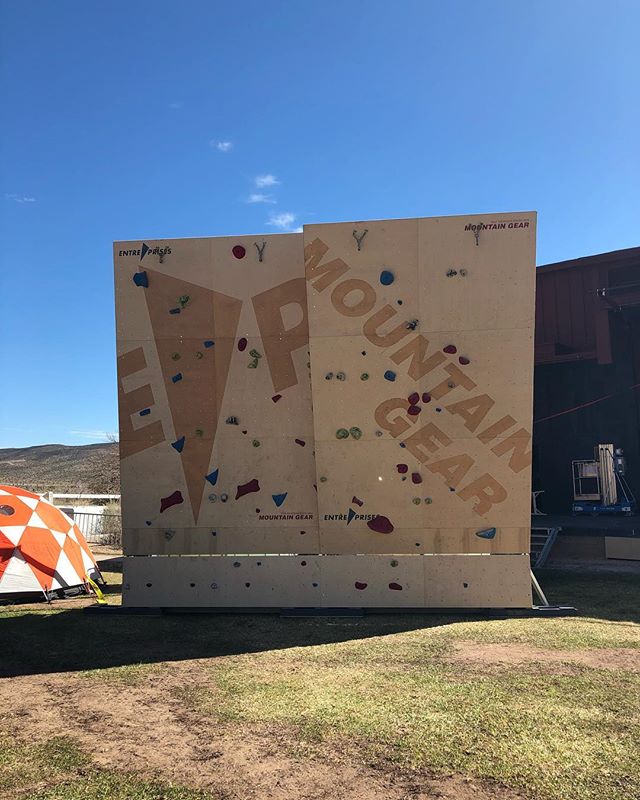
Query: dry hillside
point(91, 468)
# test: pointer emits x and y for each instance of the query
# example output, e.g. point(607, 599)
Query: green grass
point(382, 688)
point(60, 770)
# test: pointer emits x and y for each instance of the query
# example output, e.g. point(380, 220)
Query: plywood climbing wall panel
point(364, 581)
point(216, 427)
point(361, 393)
point(422, 372)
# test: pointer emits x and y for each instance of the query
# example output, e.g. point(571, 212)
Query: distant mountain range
point(89, 468)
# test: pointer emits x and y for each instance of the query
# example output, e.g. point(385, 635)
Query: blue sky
point(148, 118)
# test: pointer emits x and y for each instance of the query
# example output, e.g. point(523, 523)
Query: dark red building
point(587, 368)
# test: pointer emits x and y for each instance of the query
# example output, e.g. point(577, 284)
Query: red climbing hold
point(357, 501)
point(247, 488)
point(463, 360)
point(301, 442)
point(238, 251)
point(402, 468)
point(413, 411)
point(414, 399)
point(450, 348)
point(242, 344)
point(395, 586)
point(426, 397)
point(380, 524)
point(360, 585)
point(172, 500)
point(416, 477)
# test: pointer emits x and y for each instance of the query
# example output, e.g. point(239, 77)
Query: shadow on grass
point(71, 640)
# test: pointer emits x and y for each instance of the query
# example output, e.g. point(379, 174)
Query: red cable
point(583, 405)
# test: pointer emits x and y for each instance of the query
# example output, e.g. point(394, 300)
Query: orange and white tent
point(41, 549)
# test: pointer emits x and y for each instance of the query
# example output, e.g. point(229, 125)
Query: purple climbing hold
point(413, 411)
point(177, 377)
point(212, 477)
point(357, 501)
point(402, 468)
point(279, 499)
point(174, 310)
point(301, 442)
point(276, 397)
point(414, 399)
point(242, 344)
point(426, 397)
point(450, 349)
point(464, 361)
point(360, 585)
point(396, 587)
point(380, 524)
point(247, 488)
point(178, 444)
point(141, 279)
point(171, 500)
point(416, 477)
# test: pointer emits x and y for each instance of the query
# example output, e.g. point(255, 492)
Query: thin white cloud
point(282, 221)
point(101, 435)
point(20, 198)
point(262, 181)
point(223, 147)
point(174, 106)
point(257, 197)
point(298, 229)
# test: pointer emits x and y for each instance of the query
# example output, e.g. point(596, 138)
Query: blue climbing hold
point(208, 342)
point(386, 277)
point(350, 515)
point(390, 375)
point(174, 310)
point(145, 412)
point(487, 533)
point(141, 279)
point(212, 477)
point(279, 499)
point(176, 378)
point(178, 444)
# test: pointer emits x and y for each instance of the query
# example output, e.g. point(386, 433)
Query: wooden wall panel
point(365, 581)
point(359, 396)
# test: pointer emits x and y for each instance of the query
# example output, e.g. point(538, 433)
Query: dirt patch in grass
point(145, 727)
point(557, 662)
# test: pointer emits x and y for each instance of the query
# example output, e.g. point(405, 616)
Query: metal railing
point(100, 528)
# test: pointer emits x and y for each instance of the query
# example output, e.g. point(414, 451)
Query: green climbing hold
point(428, 500)
point(253, 364)
point(199, 354)
point(342, 433)
point(183, 300)
point(175, 356)
point(416, 501)
point(356, 433)
point(255, 354)
point(364, 376)
point(255, 443)
point(323, 479)
point(199, 432)
point(394, 563)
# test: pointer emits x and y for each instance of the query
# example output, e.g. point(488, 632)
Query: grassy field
point(537, 708)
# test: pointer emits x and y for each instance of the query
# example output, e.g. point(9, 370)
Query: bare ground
point(147, 728)
point(556, 661)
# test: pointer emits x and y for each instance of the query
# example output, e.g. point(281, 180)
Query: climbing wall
point(360, 393)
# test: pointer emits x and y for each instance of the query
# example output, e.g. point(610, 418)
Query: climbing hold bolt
point(224, 497)
point(340, 376)
point(412, 324)
point(231, 421)
point(328, 376)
